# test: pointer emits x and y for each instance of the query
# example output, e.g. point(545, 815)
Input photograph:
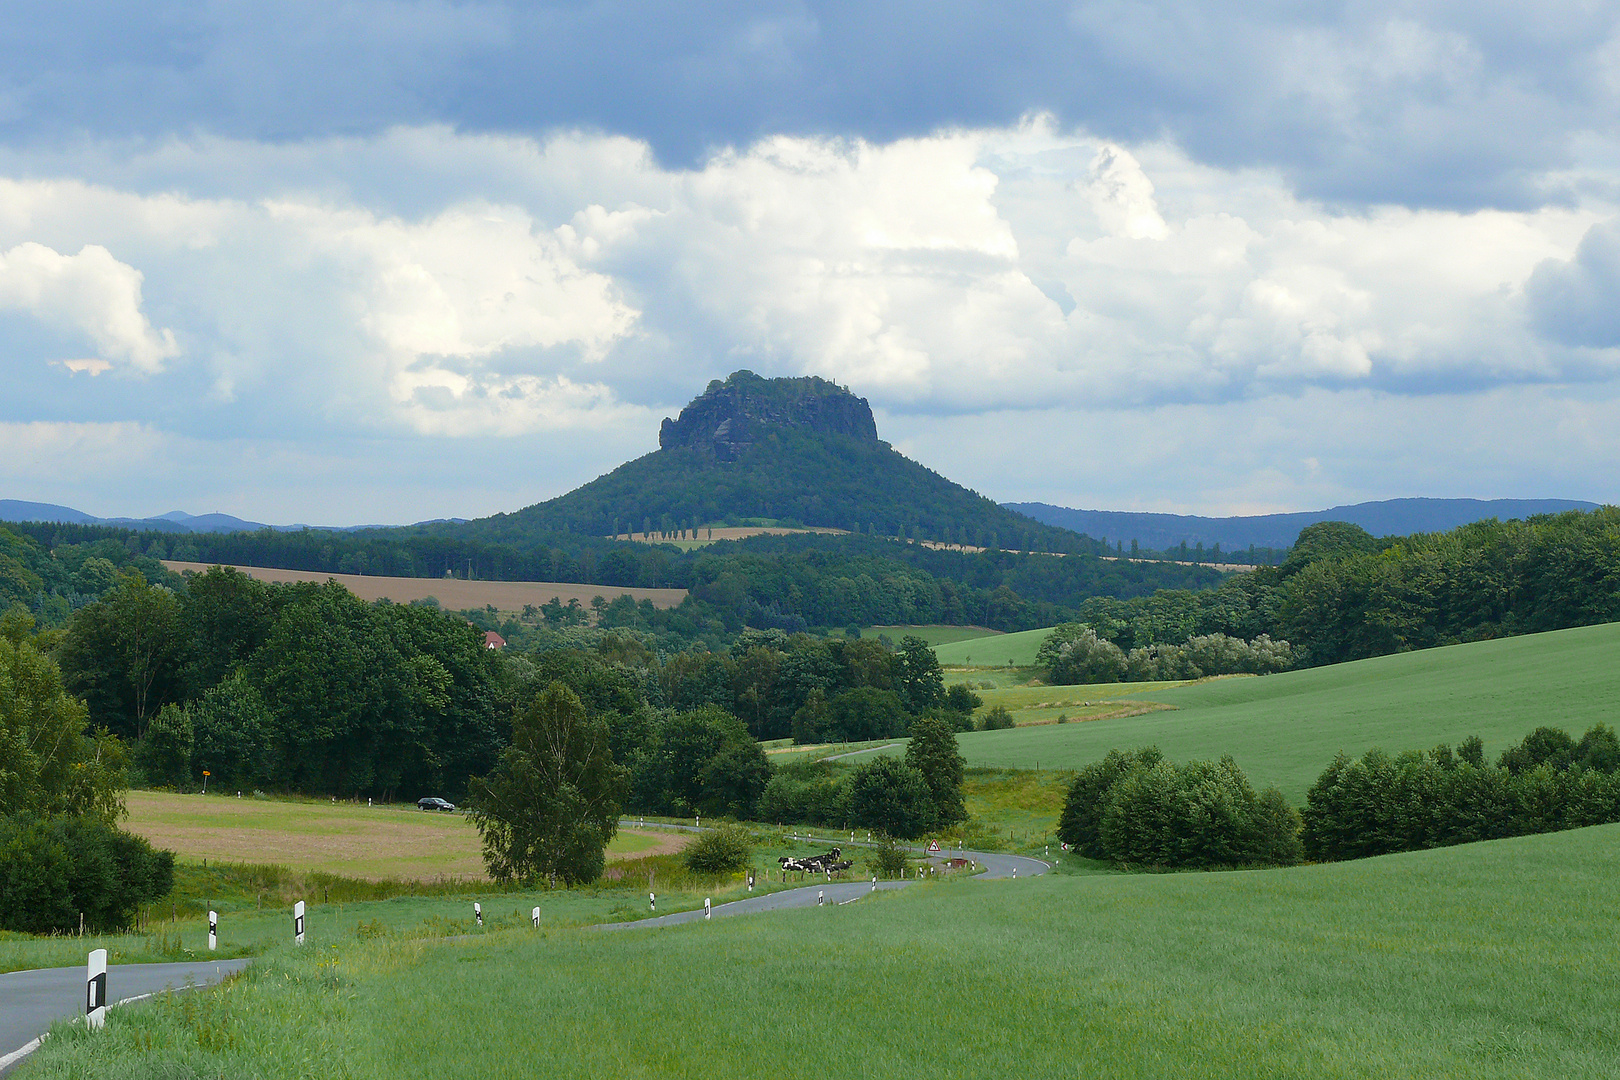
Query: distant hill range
point(1390, 517)
point(174, 521)
point(804, 451)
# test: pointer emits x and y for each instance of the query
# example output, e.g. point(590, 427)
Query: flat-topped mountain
point(793, 451)
point(729, 416)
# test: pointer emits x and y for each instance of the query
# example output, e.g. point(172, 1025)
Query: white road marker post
point(874, 883)
point(1015, 873)
point(213, 930)
point(478, 913)
point(535, 916)
point(298, 923)
point(821, 898)
point(652, 901)
point(95, 990)
point(706, 910)
point(750, 879)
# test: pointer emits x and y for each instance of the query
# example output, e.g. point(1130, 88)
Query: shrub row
point(1135, 807)
point(1075, 654)
point(1378, 803)
point(54, 869)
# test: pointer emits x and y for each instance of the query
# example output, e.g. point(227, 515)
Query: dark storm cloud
point(1441, 105)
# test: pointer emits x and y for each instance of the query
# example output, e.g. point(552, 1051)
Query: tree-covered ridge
point(787, 474)
point(53, 575)
point(790, 582)
point(1343, 594)
point(802, 451)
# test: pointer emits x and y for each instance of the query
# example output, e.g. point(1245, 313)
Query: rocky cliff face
point(730, 415)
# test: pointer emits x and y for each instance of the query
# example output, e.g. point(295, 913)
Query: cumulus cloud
point(90, 292)
point(1577, 301)
point(474, 287)
point(1453, 105)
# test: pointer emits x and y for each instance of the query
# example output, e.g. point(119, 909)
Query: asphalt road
point(992, 865)
point(31, 1000)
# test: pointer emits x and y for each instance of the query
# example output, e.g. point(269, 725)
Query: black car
point(433, 803)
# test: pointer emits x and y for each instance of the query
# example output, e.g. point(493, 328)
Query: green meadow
point(255, 901)
point(1283, 730)
point(1489, 960)
point(1002, 650)
point(933, 635)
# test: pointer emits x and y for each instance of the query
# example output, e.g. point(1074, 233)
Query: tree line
point(64, 863)
point(787, 582)
point(1343, 594)
point(1136, 808)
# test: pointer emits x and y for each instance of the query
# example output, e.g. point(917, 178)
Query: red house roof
point(492, 640)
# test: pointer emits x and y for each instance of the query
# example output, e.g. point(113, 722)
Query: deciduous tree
point(552, 802)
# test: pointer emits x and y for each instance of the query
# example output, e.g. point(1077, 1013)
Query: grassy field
point(255, 901)
point(366, 842)
point(1004, 650)
point(1046, 704)
point(1491, 960)
point(934, 635)
point(1284, 729)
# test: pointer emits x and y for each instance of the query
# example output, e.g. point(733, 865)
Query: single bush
point(890, 796)
point(1073, 653)
point(959, 698)
point(888, 859)
point(996, 719)
point(723, 851)
point(805, 794)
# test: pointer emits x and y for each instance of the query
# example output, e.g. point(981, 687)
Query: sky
point(364, 261)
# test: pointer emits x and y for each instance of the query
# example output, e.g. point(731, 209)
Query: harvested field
point(370, 842)
point(453, 594)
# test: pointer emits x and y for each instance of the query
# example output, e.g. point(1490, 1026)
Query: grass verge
point(1490, 960)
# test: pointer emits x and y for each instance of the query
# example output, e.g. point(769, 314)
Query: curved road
point(34, 999)
point(995, 865)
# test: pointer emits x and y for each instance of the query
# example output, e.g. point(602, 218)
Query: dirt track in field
point(453, 594)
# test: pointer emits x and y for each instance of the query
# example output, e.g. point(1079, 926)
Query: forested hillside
point(789, 582)
point(1343, 594)
point(799, 451)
